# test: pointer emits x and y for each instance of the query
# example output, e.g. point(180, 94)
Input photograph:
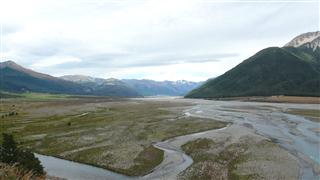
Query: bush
point(8, 150)
point(29, 162)
point(10, 154)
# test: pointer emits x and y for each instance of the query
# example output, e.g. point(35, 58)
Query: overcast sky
point(150, 39)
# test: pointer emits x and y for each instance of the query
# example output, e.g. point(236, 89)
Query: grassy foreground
point(115, 134)
point(8, 172)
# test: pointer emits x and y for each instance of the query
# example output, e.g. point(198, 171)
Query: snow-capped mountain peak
point(309, 40)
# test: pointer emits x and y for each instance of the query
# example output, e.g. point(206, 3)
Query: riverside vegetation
point(16, 163)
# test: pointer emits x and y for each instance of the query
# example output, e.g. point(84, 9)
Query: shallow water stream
point(268, 119)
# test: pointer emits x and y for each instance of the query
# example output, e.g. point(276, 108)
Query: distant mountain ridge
point(290, 70)
point(15, 78)
point(308, 40)
point(144, 87)
point(153, 88)
point(89, 79)
point(99, 86)
point(78, 78)
point(13, 65)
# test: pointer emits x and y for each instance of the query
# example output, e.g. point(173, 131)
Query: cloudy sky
point(151, 39)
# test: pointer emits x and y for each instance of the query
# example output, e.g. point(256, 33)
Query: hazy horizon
point(157, 40)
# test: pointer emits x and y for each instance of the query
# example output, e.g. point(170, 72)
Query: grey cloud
point(50, 47)
point(214, 33)
point(10, 29)
point(178, 59)
point(129, 60)
point(45, 50)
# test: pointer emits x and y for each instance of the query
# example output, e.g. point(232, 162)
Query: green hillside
point(17, 79)
point(272, 71)
point(13, 80)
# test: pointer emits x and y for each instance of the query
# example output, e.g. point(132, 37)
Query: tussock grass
point(13, 172)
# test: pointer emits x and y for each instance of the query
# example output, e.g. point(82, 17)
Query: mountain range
point(153, 88)
point(293, 69)
point(290, 70)
point(103, 87)
point(15, 78)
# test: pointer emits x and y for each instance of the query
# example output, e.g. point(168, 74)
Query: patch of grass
point(43, 96)
point(248, 158)
point(198, 149)
point(147, 159)
point(33, 96)
point(198, 144)
point(9, 95)
point(235, 157)
point(210, 165)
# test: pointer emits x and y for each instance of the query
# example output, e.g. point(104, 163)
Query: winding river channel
point(293, 133)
